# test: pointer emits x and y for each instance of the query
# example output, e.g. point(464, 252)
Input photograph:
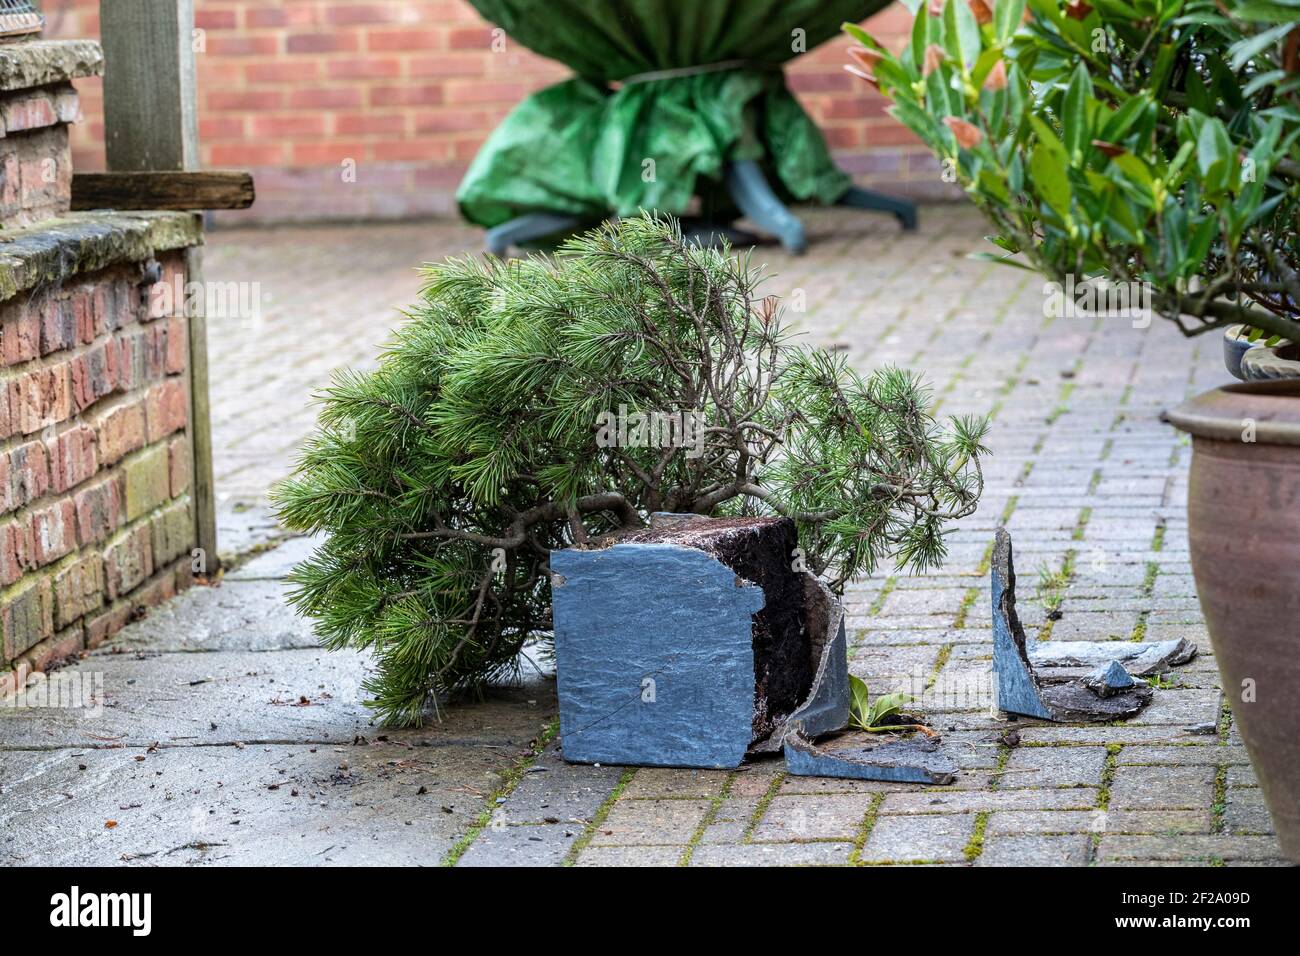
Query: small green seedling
point(871, 715)
point(1051, 588)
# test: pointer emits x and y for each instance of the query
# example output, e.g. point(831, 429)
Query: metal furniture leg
point(522, 229)
point(754, 197)
point(860, 198)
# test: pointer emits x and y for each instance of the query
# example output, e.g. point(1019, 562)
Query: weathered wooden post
point(151, 125)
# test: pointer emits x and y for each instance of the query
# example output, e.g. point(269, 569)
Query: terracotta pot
point(1244, 525)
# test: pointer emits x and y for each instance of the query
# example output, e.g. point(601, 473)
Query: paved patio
point(228, 737)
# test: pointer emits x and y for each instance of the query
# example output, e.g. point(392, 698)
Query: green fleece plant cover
point(700, 84)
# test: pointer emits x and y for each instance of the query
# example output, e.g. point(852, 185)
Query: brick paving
point(325, 298)
point(1089, 481)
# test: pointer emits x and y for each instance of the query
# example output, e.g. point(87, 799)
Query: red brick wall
point(95, 451)
point(35, 160)
point(95, 517)
point(409, 90)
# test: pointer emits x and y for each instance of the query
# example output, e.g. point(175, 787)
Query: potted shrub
point(1154, 143)
point(533, 405)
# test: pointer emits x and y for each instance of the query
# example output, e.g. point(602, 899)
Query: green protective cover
point(580, 147)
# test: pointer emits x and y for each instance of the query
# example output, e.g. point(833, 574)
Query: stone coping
point(30, 63)
point(52, 251)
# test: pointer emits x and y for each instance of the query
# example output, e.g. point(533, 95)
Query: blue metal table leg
point(526, 228)
point(860, 198)
point(754, 197)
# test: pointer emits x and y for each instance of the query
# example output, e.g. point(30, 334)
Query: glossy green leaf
point(1214, 151)
point(961, 33)
point(1264, 11)
point(920, 38)
point(861, 35)
point(1075, 114)
point(1050, 180)
point(1007, 15)
point(1048, 139)
point(1122, 120)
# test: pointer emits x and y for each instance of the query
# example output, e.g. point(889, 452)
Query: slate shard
point(1017, 686)
point(1141, 658)
point(1109, 679)
point(827, 706)
point(1020, 689)
point(857, 756)
point(646, 676)
point(1071, 702)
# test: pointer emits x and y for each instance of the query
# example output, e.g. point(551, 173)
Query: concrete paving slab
point(278, 562)
point(378, 804)
point(232, 616)
point(220, 697)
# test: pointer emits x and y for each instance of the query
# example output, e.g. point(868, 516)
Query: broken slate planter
point(696, 642)
point(1022, 690)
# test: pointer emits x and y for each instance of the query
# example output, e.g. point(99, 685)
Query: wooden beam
point(200, 189)
point(151, 124)
point(150, 118)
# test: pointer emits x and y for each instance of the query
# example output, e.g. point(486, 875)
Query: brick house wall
point(409, 90)
point(96, 518)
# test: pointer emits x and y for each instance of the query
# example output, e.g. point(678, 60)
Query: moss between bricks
point(598, 819)
point(864, 831)
point(715, 805)
point(512, 777)
point(975, 846)
point(54, 251)
point(764, 802)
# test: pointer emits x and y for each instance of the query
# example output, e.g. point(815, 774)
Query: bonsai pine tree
point(1149, 143)
point(532, 405)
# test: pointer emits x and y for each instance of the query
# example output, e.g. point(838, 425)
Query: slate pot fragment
point(1140, 658)
point(1023, 690)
